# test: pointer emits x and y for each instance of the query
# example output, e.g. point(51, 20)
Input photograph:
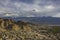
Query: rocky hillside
point(19, 30)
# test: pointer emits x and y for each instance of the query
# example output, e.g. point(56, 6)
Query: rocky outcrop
point(10, 24)
point(5, 22)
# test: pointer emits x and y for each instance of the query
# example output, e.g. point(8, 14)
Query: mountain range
point(37, 20)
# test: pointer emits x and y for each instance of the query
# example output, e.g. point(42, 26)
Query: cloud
point(49, 7)
point(30, 16)
point(11, 15)
point(27, 1)
point(57, 15)
point(34, 8)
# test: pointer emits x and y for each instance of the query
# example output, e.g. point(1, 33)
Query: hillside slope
point(20, 30)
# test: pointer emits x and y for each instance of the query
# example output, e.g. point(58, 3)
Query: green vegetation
point(56, 29)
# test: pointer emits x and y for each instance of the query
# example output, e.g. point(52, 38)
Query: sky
point(30, 8)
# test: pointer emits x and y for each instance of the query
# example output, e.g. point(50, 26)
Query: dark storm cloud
point(27, 1)
point(24, 1)
point(26, 7)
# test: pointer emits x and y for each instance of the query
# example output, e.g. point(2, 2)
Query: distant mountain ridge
point(38, 20)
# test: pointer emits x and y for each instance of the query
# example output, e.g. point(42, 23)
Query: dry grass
point(26, 31)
